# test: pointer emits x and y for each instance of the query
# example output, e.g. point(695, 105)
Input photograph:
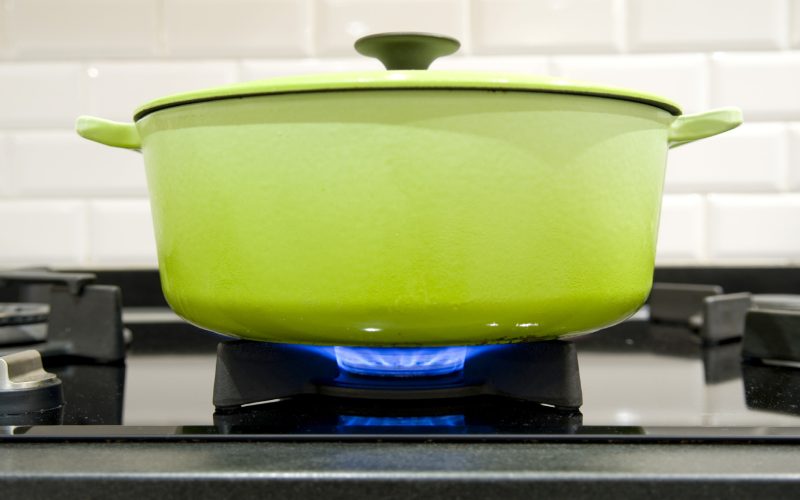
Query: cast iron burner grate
point(249, 372)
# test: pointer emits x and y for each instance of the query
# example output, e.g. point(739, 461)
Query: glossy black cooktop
point(641, 382)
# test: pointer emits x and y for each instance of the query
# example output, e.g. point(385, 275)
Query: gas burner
point(23, 323)
point(22, 313)
point(255, 372)
point(401, 361)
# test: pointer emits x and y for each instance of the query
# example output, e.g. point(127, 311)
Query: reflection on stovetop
point(470, 415)
point(93, 393)
point(772, 387)
point(649, 374)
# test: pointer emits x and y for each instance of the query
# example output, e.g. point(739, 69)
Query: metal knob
point(25, 386)
point(23, 370)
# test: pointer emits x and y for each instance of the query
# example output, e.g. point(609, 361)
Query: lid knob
point(406, 50)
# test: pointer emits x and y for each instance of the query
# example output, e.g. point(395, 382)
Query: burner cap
point(23, 313)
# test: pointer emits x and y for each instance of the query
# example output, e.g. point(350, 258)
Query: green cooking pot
point(406, 207)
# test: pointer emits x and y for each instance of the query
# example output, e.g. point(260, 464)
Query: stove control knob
point(25, 386)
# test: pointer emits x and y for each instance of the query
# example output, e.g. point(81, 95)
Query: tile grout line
point(312, 35)
point(622, 35)
point(87, 243)
point(466, 27)
point(162, 51)
point(793, 157)
point(786, 38)
point(708, 80)
point(5, 42)
point(705, 249)
point(786, 158)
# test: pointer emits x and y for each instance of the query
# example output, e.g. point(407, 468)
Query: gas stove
point(699, 365)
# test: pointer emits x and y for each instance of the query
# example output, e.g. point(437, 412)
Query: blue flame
point(422, 421)
point(401, 361)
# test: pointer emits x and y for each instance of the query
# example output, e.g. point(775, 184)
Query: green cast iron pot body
point(406, 217)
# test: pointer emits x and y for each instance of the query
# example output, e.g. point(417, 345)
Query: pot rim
point(406, 80)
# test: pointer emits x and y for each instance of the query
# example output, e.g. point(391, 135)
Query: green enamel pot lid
point(406, 57)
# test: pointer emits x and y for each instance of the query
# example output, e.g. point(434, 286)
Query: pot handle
point(116, 134)
point(689, 128)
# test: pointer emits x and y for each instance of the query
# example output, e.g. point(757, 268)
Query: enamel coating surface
point(406, 217)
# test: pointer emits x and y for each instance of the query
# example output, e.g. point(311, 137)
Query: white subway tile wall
point(550, 26)
point(257, 69)
point(135, 246)
point(536, 65)
point(794, 157)
point(5, 50)
point(734, 199)
point(749, 159)
point(34, 95)
point(58, 163)
point(682, 77)
point(341, 22)
point(236, 28)
point(794, 12)
point(743, 226)
point(681, 235)
point(80, 28)
point(43, 231)
point(5, 167)
point(116, 88)
point(707, 24)
point(764, 84)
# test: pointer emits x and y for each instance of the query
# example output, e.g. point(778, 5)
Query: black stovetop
point(634, 389)
point(672, 405)
point(642, 381)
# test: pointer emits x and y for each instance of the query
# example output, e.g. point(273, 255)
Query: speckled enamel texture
point(406, 217)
